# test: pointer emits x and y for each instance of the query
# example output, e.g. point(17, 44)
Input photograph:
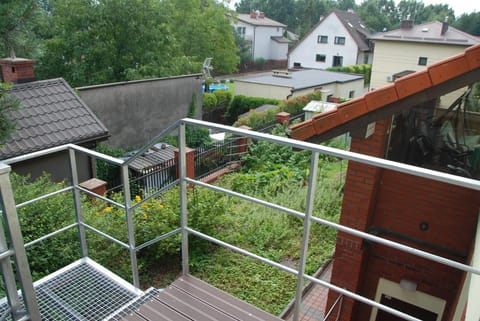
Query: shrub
point(209, 102)
point(365, 69)
point(242, 104)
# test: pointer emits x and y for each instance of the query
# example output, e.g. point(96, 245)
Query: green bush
point(363, 69)
point(242, 104)
point(224, 97)
point(209, 102)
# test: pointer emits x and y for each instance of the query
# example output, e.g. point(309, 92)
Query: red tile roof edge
point(411, 84)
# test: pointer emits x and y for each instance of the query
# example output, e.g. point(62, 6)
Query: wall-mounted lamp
point(408, 285)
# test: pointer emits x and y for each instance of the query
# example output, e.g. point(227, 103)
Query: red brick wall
point(14, 70)
point(398, 202)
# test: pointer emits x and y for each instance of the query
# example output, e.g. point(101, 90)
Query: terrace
point(84, 290)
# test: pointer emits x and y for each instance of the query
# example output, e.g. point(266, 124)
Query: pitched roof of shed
point(429, 33)
point(51, 114)
point(301, 79)
point(435, 75)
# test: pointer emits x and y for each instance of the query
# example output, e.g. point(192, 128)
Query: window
point(337, 61)
point(351, 94)
point(297, 65)
point(241, 31)
point(320, 58)
point(339, 40)
point(322, 39)
point(422, 61)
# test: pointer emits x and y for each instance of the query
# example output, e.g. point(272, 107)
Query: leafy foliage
point(241, 104)
point(209, 102)
point(364, 69)
point(8, 103)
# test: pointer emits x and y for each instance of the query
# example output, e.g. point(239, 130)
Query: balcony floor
point(189, 298)
point(83, 290)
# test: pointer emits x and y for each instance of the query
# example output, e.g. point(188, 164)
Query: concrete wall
point(136, 111)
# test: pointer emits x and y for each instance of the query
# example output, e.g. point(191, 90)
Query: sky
point(459, 6)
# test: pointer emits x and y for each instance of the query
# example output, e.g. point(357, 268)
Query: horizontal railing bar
point(105, 235)
point(365, 159)
point(6, 254)
point(246, 197)
point(295, 272)
point(57, 149)
point(159, 238)
point(103, 198)
point(47, 236)
point(339, 227)
point(66, 189)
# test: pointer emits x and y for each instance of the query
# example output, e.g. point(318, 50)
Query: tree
point(374, 15)
point(8, 103)
point(469, 23)
point(106, 41)
point(202, 30)
point(16, 27)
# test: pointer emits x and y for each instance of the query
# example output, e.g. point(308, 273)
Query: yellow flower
point(137, 198)
point(145, 215)
point(107, 209)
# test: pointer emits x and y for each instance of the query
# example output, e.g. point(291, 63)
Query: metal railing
point(185, 230)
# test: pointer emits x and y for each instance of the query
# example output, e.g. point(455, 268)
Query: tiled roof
point(436, 74)
point(51, 114)
point(280, 39)
point(429, 33)
point(266, 22)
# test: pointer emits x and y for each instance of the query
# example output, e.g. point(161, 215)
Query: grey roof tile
point(51, 115)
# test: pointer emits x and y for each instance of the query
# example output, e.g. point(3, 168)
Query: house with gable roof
point(400, 121)
point(414, 47)
point(51, 115)
point(266, 36)
point(339, 39)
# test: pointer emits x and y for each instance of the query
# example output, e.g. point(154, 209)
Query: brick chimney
point(17, 70)
point(444, 27)
point(406, 24)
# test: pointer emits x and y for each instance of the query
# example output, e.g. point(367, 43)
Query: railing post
point(183, 197)
point(77, 202)
point(312, 183)
point(130, 228)
point(20, 256)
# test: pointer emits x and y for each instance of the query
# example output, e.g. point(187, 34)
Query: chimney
point(261, 15)
point(253, 15)
point(444, 27)
point(406, 24)
point(17, 70)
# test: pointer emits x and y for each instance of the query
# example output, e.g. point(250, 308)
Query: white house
point(339, 39)
point(266, 36)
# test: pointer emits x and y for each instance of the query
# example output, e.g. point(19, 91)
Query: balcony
point(84, 290)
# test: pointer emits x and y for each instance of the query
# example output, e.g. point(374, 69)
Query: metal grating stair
point(84, 290)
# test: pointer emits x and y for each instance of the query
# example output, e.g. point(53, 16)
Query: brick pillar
point(190, 162)
point(358, 207)
point(95, 185)
point(242, 142)
point(17, 70)
point(283, 117)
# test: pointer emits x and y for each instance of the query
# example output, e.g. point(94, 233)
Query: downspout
point(254, 43)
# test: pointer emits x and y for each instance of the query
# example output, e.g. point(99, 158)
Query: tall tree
point(374, 15)
point(16, 24)
point(8, 103)
point(469, 22)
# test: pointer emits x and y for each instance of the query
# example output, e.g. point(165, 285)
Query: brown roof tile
point(412, 83)
point(380, 97)
point(352, 109)
point(448, 68)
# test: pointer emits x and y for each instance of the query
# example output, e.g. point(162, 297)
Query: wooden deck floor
point(189, 298)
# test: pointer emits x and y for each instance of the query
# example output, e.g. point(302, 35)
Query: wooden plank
point(232, 306)
point(133, 317)
point(157, 311)
point(190, 306)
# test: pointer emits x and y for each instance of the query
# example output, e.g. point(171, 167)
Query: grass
point(274, 235)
